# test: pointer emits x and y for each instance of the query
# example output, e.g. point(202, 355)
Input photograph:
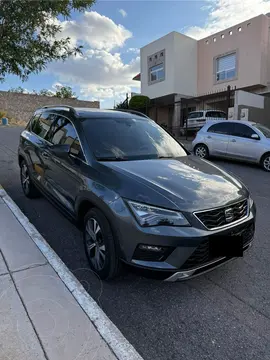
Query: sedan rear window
point(130, 139)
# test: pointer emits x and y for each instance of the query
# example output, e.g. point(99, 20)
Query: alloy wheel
point(25, 178)
point(266, 163)
point(95, 246)
point(201, 151)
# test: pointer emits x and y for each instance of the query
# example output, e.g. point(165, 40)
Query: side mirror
point(61, 151)
point(255, 137)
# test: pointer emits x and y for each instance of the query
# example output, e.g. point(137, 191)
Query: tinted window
point(195, 115)
point(63, 132)
point(130, 139)
point(265, 130)
point(216, 114)
point(221, 128)
point(242, 130)
point(41, 125)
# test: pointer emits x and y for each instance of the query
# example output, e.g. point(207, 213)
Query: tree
point(18, 89)
point(44, 92)
point(29, 34)
point(139, 102)
point(64, 92)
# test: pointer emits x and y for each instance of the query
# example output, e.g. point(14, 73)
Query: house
point(180, 74)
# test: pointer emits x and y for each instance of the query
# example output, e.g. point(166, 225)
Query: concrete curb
point(119, 345)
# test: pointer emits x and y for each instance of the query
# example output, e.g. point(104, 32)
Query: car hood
point(189, 182)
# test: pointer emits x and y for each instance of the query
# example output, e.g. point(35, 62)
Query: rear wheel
point(201, 151)
point(28, 186)
point(100, 245)
point(265, 162)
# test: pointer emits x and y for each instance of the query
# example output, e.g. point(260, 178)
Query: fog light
point(151, 248)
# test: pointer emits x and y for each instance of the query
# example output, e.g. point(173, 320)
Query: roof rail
point(135, 112)
point(65, 107)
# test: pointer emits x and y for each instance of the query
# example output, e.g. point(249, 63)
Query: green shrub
point(139, 102)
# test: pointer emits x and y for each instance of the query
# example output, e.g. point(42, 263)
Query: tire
point(100, 245)
point(27, 184)
point(201, 151)
point(265, 162)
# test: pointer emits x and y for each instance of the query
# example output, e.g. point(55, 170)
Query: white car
point(234, 139)
point(197, 119)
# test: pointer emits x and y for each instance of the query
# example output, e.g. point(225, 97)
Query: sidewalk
point(40, 316)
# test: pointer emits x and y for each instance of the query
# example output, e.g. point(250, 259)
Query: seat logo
point(229, 215)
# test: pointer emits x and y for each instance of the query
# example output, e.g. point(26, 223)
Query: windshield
point(130, 139)
point(263, 129)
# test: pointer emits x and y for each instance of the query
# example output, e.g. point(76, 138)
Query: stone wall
point(22, 106)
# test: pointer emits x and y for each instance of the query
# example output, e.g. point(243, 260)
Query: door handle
point(233, 140)
point(45, 154)
point(209, 137)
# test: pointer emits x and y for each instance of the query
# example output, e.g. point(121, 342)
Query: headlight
point(147, 215)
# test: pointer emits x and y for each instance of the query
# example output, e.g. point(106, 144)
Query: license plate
point(229, 246)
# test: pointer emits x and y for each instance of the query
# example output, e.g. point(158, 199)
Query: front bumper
point(189, 256)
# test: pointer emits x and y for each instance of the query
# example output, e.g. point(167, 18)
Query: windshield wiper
point(112, 158)
point(166, 157)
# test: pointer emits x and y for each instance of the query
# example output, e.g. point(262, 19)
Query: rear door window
point(224, 128)
point(195, 115)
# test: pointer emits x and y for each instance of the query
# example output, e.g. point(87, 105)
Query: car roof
point(216, 110)
point(212, 122)
point(84, 113)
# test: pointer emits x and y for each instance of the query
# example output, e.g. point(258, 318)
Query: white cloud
point(226, 13)
point(95, 30)
point(100, 72)
point(133, 50)
point(123, 12)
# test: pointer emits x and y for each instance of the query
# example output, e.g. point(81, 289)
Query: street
point(222, 315)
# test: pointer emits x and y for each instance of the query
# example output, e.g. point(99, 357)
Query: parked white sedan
point(240, 140)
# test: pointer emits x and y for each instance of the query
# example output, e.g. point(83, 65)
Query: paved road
point(219, 316)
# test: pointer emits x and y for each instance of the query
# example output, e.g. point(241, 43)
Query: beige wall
point(22, 106)
point(252, 51)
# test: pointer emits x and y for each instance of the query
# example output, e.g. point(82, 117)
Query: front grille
point(202, 253)
point(216, 218)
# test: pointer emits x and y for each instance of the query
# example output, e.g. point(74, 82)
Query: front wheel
point(201, 151)
point(28, 186)
point(265, 162)
point(100, 245)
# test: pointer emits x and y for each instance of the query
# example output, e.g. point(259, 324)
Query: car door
point(35, 143)
point(241, 145)
point(217, 138)
point(63, 173)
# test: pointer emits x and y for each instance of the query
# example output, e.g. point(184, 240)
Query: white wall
point(185, 65)
point(164, 87)
point(249, 99)
point(180, 66)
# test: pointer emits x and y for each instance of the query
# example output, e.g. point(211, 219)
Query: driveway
point(222, 315)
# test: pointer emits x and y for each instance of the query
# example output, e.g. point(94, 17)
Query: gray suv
point(137, 194)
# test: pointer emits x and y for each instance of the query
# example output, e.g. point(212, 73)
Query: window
point(242, 130)
point(41, 125)
point(224, 128)
point(240, 29)
point(216, 114)
point(157, 73)
point(207, 42)
point(263, 129)
point(230, 32)
point(222, 36)
point(195, 115)
point(214, 39)
point(226, 67)
point(63, 132)
point(129, 139)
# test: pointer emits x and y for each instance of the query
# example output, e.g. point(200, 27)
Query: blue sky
point(112, 33)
